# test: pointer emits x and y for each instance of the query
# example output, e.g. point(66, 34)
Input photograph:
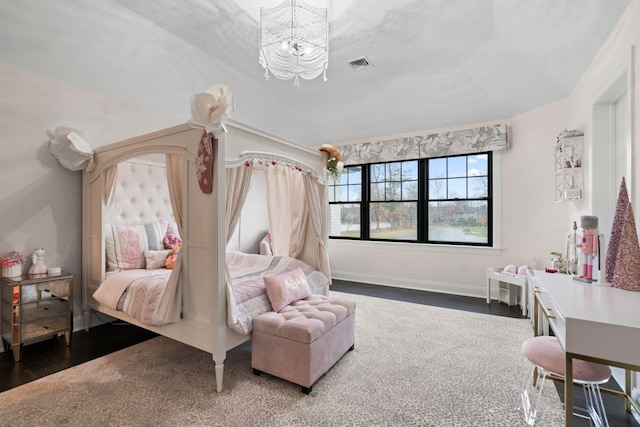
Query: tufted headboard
point(141, 194)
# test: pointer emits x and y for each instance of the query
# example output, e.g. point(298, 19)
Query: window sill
point(416, 247)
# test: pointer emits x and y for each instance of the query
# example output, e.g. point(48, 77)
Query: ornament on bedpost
point(204, 162)
point(334, 162)
point(210, 110)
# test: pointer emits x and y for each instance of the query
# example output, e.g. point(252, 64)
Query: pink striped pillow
point(285, 288)
point(125, 245)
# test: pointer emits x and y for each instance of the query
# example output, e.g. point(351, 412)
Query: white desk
point(592, 322)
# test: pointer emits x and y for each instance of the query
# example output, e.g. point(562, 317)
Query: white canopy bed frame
point(202, 321)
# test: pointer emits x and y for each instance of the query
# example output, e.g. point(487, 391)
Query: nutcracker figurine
point(589, 245)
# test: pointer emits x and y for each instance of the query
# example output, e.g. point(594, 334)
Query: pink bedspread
point(138, 292)
point(249, 298)
point(135, 292)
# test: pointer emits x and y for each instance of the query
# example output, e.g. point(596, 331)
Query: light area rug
point(413, 365)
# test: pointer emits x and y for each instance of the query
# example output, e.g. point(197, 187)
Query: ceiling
point(436, 63)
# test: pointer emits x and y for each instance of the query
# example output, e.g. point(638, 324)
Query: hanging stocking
point(204, 162)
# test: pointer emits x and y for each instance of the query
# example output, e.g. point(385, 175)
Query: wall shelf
point(569, 176)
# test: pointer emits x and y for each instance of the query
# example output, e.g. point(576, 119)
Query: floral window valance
point(466, 141)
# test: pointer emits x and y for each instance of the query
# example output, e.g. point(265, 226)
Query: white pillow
point(172, 228)
point(265, 245)
point(156, 259)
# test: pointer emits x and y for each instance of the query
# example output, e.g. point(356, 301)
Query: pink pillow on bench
point(285, 288)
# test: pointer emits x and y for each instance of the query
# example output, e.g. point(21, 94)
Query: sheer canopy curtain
point(238, 183)
point(315, 215)
point(171, 302)
point(287, 206)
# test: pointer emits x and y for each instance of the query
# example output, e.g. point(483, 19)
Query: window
point(345, 197)
point(437, 200)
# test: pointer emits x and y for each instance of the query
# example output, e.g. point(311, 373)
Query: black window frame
point(422, 202)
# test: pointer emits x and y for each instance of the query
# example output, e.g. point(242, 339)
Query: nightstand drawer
point(41, 291)
point(44, 327)
point(42, 309)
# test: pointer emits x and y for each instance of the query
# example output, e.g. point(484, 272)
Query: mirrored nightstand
point(34, 307)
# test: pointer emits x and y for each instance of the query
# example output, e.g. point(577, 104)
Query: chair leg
point(530, 403)
point(595, 405)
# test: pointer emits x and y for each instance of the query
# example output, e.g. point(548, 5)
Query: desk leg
point(536, 310)
point(488, 290)
point(568, 390)
point(627, 389)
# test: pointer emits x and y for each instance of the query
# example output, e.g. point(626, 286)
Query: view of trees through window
point(437, 200)
point(458, 208)
point(393, 210)
point(344, 217)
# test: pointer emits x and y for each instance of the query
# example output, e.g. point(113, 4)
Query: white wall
point(254, 220)
point(529, 224)
point(614, 54)
point(40, 201)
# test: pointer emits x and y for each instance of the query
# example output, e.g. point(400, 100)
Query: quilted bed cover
point(138, 292)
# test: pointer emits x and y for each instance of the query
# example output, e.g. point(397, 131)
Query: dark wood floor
point(47, 357)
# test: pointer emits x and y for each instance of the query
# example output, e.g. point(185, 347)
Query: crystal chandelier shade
point(294, 41)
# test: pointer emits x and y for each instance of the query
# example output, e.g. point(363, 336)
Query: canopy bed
point(198, 303)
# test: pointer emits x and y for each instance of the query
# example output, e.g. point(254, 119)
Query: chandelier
point(294, 41)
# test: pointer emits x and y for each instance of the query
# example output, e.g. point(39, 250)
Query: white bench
point(508, 288)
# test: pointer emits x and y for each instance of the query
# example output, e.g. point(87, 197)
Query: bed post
point(219, 375)
point(218, 258)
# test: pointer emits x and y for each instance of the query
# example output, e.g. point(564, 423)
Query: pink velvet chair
point(548, 357)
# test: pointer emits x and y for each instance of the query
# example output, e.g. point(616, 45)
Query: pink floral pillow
point(285, 288)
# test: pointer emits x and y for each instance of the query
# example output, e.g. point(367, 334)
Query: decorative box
point(12, 271)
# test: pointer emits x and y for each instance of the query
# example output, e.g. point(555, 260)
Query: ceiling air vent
point(360, 64)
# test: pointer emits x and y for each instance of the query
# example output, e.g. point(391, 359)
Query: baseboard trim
point(420, 285)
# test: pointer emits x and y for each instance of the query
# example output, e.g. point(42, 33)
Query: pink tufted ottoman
point(302, 341)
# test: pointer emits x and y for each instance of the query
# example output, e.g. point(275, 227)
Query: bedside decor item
point(37, 258)
point(294, 41)
point(12, 263)
point(52, 271)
